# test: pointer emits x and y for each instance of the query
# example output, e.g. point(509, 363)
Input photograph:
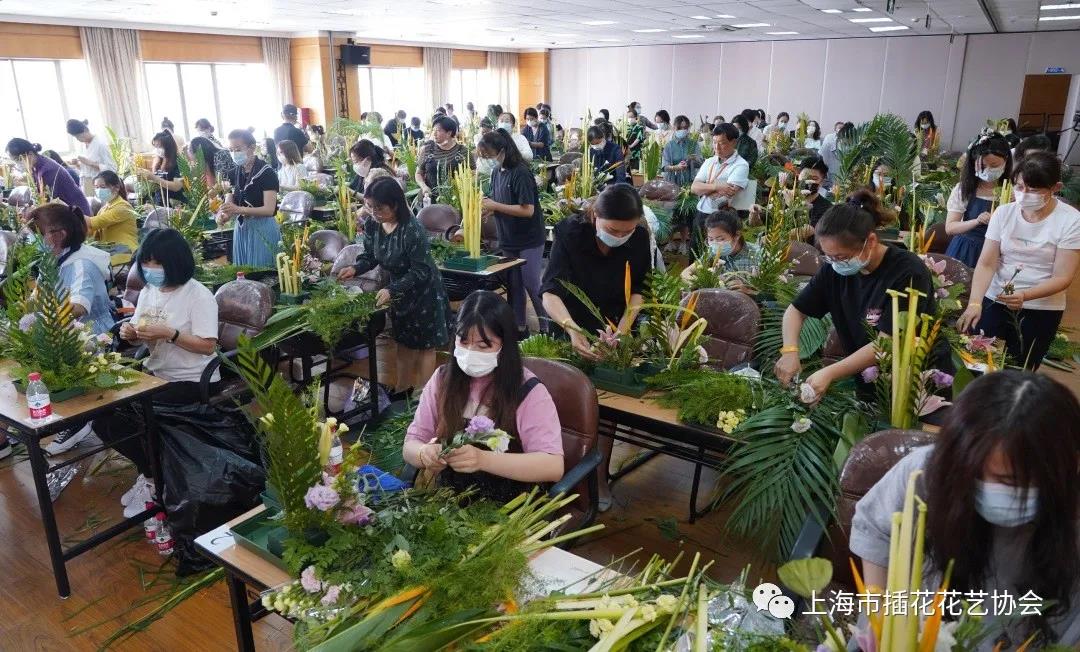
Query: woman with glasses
point(852, 289)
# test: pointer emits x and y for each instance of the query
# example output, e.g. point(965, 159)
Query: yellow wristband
point(789, 349)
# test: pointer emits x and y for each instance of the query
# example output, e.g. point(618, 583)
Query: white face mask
point(990, 174)
point(476, 364)
point(533, 123)
point(1029, 201)
point(505, 126)
point(159, 152)
point(486, 165)
point(361, 169)
point(782, 124)
point(924, 125)
point(1004, 505)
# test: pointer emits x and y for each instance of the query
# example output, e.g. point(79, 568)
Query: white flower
point(648, 613)
point(600, 627)
point(499, 441)
point(807, 393)
point(92, 369)
point(946, 638)
point(667, 602)
point(703, 355)
point(116, 367)
point(401, 560)
point(1062, 336)
point(801, 425)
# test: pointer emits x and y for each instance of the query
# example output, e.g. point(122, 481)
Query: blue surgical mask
point(722, 248)
point(681, 133)
point(990, 174)
point(486, 165)
point(152, 276)
point(849, 267)
point(610, 240)
point(1006, 506)
point(103, 194)
point(239, 157)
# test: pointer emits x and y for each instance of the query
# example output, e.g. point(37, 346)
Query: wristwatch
point(176, 335)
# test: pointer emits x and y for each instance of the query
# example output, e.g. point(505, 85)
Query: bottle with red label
point(37, 398)
point(337, 452)
point(164, 540)
point(151, 525)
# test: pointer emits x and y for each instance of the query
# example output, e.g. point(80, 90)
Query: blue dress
point(255, 239)
point(967, 247)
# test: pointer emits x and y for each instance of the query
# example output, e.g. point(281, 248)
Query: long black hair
point(1035, 423)
point(994, 144)
point(496, 141)
point(365, 149)
point(386, 191)
point(929, 117)
point(491, 316)
point(209, 151)
point(816, 133)
point(168, 145)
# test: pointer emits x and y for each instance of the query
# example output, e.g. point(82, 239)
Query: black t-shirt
point(517, 187)
point(849, 299)
point(818, 208)
point(576, 258)
point(289, 131)
point(174, 196)
point(248, 189)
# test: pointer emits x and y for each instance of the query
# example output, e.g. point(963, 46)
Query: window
point(40, 96)
point(229, 95)
point(470, 86)
point(387, 90)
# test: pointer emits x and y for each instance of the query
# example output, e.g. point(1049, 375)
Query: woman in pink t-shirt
point(486, 377)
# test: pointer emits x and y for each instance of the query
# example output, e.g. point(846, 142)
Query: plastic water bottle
point(37, 399)
point(151, 526)
point(337, 455)
point(427, 200)
point(164, 540)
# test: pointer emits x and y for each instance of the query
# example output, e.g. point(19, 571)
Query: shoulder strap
point(527, 387)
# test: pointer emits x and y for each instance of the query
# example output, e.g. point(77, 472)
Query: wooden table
point(74, 413)
point(644, 422)
point(244, 569)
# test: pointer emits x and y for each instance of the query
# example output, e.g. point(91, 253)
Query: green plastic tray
point(254, 535)
point(469, 264)
point(55, 397)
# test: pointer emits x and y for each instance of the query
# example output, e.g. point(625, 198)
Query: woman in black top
point(592, 254)
point(396, 241)
point(253, 202)
point(439, 157)
point(519, 221)
point(852, 289)
point(165, 173)
point(365, 156)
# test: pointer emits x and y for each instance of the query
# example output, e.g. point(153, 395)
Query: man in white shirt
point(829, 153)
point(720, 178)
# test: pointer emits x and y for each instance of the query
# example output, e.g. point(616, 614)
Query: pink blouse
point(537, 422)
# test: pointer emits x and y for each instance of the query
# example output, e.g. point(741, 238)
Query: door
point(1042, 107)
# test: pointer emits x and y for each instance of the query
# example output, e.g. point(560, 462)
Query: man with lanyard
point(718, 181)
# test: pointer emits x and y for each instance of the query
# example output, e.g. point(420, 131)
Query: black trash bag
point(212, 472)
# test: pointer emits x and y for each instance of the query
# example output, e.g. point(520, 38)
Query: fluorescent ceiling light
point(1050, 7)
point(781, 33)
point(649, 31)
point(1043, 19)
point(687, 36)
point(503, 29)
point(598, 22)
point(724, 16)
point(870, 20)
point(562, 35)
point(753, 25)
point(832, 11)
point(701, 18)
point(862, 9)
point(609, 40)
point(890, 28)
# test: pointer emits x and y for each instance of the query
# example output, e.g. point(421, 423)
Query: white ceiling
point(531, 24)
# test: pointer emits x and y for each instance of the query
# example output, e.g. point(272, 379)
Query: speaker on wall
point(356, 55)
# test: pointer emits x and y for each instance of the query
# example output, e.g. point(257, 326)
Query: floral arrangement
point(346, 220)
point(651, 159)
point(547, 347)
point(615, 345)
point(331, 311)
point(946, 292)
point(729, 420)
point(480, 431)
point(467, 184)
point(41, 334)
point(197, 194)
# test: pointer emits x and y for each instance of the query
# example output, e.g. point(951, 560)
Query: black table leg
point(694, 513)
point(245, 639)
point(373, 369)
point(151, 440)
point(40, 470)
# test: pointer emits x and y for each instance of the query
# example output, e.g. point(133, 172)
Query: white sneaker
point(143, 493)
point(125, 500)
point(67, 440)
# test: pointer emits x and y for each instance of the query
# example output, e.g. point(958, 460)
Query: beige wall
point(29, 41)
point(532, 79)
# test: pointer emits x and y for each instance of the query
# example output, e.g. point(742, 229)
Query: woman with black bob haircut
point(1027, 264)
point(519, 220)
point(852, 289)
point(1001, 486)
point(252, 202)
point(486, 377)
point(177, 318)
point(164, 171)
point(416, 298)
point(988, 165)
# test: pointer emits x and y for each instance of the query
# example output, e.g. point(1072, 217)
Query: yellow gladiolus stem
point(896, 344)
point(890, 582)
point(912, 637)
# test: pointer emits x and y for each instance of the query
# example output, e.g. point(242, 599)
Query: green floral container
point(54, 396)
point(620, 381)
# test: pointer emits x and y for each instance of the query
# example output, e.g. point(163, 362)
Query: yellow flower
point(401, 560)
point(648, 613)
point(667, 602)
point(600, 627)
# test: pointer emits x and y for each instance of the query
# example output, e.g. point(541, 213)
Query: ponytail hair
point(68, 218)
point(76, 127)
point(854, 220)
point(19, 147)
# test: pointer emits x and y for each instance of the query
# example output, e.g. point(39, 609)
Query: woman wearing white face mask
point(252, 202)
point(538, 134)
point(508, 123)
point(1028, 262)
point(780, 125)
point(681, 156)
point(988, 165)
point(114, 227)
point(206, 130)
point(1001, 487)
point(365, 156)
point(165, 172)
point(486, 378)
point(664, 129)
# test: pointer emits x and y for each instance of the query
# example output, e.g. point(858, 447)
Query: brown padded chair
point(659, 190)
point(955, 271)
point(244, 306)
point(941, 239)
point(570, 157)
point(868, 462)
point(734, 321)
point(133, 286)
point(439, 220)
point(372, 281)
point(326, 244)
point(805, 259)
point(579, 415)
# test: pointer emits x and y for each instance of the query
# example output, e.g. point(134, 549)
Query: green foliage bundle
point(700, 395)
point(331, 311)
point(546, 347)
point(664, 218)
point(196, 194)
point(885, 139)
point(441, 249)
point(216, 275)
point(650, 159)
point(770, 339)
point(321, 195)
point(385, 441)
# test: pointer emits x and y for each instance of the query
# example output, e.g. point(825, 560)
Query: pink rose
point(321, 497)
point(357, 514)
point(309, 582)
point(332, 595)
point(870, 374)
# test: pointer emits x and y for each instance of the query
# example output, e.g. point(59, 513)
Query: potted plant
point(466, 184)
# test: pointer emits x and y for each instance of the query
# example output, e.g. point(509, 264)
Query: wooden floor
point(650, 512)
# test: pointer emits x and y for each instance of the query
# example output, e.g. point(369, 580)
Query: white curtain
point(115, 61)
point(437, 76)
point(502, 68)
point(277, 59)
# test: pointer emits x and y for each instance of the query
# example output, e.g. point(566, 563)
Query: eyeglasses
point(843, 259)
